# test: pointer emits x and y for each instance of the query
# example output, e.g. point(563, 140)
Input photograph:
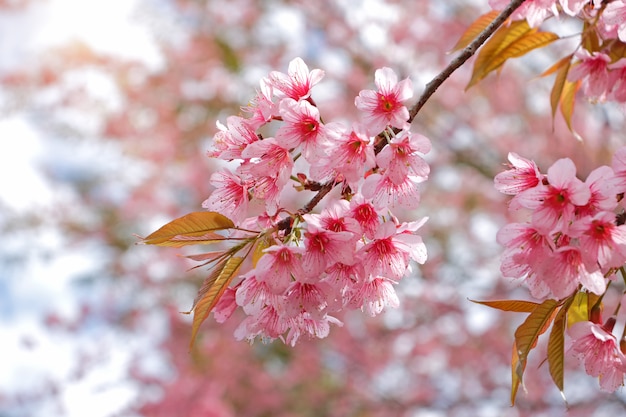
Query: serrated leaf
point(563, 66)
point(528, 333)
point(190, 229)
point(516, 40)
point(211, 291)
point(475, 29)
point(519, 306)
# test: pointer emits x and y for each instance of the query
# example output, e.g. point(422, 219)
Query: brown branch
point(431, 87)
point(465, 54)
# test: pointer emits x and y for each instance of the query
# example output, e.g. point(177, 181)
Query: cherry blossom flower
point(298, 81)
point(534, 11)
point(302, 127)
point(324, 248)
point(352, 155)
point(267, 158)
point(385, 193)
point(386, 255)
point(374, 295)
point(230, 197)
point(601, 185)
point(365, 214)
point(279, 267)
point(523, 175)
point(232, 140)
point(615, 15)
point(262, 107)
point(305, 323)
point(384, 107)
point(402, 157)
point(619, 168)
point(566, 270)
point(598, 349)
point(594, 73)
point(556, 202)
point(602, 241)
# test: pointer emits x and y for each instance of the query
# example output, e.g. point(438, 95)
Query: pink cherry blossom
point(386, 255)
point(385, 107)
point(374, 295)
point(262, 108)
point(230, 196)
point(385, 193)
point(598, 349)
point(267, 158)
point(365, 214)
point(602, 241)
point(279, 266)
point(556, 202)
point(567, 269)
point(619, 168)
point(534, 11)
point(593, 70)
point(615, 15)
point(324, 248)
point(232, 140)
point(523, 175)
point(352, 155)
point(402, 157)
point(302, 127)
point(298, 81)
point(601, 185)
point(307, 324)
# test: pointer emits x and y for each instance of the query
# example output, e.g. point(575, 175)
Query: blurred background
point(107, 109)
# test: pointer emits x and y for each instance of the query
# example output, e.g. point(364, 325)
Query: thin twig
point(433, 85)
point(466, 54)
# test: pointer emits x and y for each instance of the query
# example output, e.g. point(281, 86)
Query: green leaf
point(526, 337)
point(475, 29)
point(191, 229)
point(511, 41)
point(211, 291)
point(519, 306)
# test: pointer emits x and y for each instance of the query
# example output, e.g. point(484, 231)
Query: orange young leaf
point(520, 47)
point(211, 291)
point(503, 37)
point(519, 306)
point(579, 309)
point(567, 101)
point(556, 348)
point(528, 333)
point(563, 67)
point(517, 371)
point(516, 40)
point(191, 229)
point(475, 29)
point(259, 249)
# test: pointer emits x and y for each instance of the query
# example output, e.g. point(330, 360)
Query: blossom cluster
point(349, 254)
point(600, 63)
point(574, 240)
